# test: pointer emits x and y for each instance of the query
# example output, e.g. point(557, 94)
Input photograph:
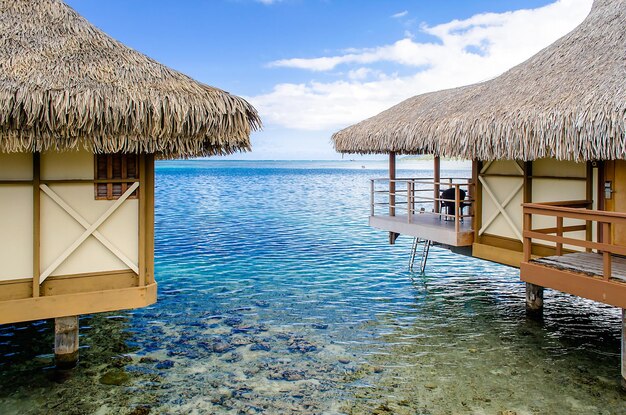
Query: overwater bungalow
point(547, 141)
point(82, 119)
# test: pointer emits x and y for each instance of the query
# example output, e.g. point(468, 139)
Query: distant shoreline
point(378, 165)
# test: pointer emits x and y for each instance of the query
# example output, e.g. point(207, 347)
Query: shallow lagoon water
point(276, 297)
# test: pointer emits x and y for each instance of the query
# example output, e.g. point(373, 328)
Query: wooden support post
point(600, 196)
point(437, 177)
point(142, 220)
point(624, 349)
point(534, 298)
point(392, 184)
point(534, 293)
point(66, 342)
point(392, 193)
point(477, 206)
point(528, 182)
point(589, 197)
point(149, 192)
point(36, 224)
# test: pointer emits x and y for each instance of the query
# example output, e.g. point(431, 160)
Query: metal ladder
point(426, 243)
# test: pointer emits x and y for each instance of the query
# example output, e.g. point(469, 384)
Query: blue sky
point(312, 67)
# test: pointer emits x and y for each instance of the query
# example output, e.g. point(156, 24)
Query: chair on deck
point(448, 204)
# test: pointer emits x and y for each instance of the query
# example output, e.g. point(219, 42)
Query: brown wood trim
point(492, 253)
point(534, 177)
point(575, 213)
point(16, 182)
point(516, 245)
point(528, 182)
point(149, 190)
point(92, 281)
point(597, 289)
point(478, 196)
point(88, 181)
point(36, 224)
point(574, 178)
point(76, 304)
point(500, 242)
point(573, 228)
point(501, 175)
point(16, 289)
point(567, 203)
point(88, 283)
point(605, 247)
point(589, 196)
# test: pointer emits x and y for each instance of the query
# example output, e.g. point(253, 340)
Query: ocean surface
point(275, 297)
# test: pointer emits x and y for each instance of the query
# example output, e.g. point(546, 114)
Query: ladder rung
point(425, 252)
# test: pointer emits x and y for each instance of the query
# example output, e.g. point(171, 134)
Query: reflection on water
point(275, 297)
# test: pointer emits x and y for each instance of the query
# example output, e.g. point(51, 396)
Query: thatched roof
point(64, 84)
point(566, 102)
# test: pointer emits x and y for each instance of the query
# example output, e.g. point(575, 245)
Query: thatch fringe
point(66, 84)
point(567, 102)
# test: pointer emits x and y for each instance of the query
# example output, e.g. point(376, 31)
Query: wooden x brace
point(501, 206)
point(90, 229)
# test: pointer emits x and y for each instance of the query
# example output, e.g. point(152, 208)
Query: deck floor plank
point(427, 226)
point(587, 263)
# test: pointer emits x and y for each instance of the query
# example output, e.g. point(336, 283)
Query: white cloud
point(466, 51)
point(400, 14)
point(362, 73)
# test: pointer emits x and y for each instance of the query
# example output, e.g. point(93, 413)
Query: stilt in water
point(534, 298)
point(66, 342)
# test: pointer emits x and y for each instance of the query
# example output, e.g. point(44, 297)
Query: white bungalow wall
point(543, 190)
point(554, 190)
point(58, 229)
point(502, 187)
point(16, 217)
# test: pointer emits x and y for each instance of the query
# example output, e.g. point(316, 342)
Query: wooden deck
point(580, 274)
point(426, 226)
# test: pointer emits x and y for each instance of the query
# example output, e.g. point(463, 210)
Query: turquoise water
point(276, 297)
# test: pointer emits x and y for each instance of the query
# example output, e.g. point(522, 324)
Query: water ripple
point(276, 297)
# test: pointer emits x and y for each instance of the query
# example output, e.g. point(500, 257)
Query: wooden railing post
point(528, 220)
point(392, 184)
point(409, 200)
point(457, 208)
point(606, 256)
point(623, 349)
point(413, 196)
point(437, 177)
point(372, 197)
point(559, 233)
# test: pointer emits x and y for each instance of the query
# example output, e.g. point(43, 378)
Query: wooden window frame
point(115, 184)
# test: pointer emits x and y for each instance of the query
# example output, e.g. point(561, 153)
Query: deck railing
point(574, 210)
point(416, 196)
